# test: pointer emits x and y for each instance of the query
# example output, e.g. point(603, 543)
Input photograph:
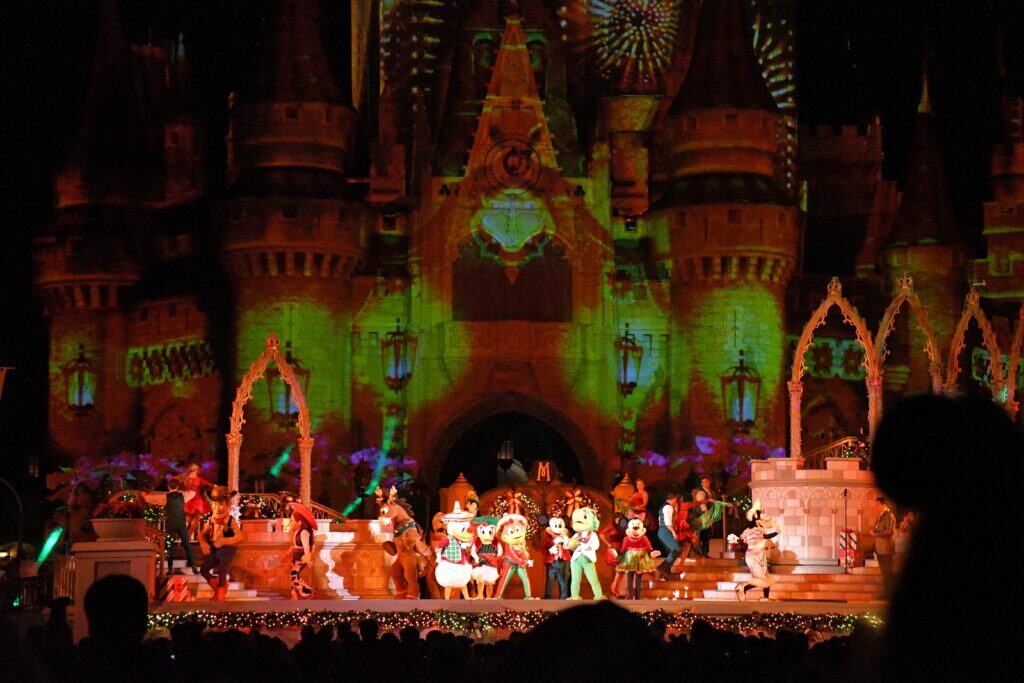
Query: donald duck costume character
point(454, 565)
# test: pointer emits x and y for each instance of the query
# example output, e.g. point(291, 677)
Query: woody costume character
point(217, 539)
point(304, 524)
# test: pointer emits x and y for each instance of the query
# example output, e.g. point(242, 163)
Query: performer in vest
point(175, 520)
point(758, 540)
point(303, 530)
point(666, 530)
point(217, 539)
point(885, 528)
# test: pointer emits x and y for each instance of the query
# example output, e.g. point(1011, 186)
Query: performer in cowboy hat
point(758, 540)
point(217, 539)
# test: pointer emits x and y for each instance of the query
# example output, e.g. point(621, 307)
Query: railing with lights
point(846, 447)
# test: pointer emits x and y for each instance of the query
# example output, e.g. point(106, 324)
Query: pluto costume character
point(584, 545)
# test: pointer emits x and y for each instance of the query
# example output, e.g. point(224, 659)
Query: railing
point(64, 577)
point(27, 592)
point(846, 447)
point(269, 505)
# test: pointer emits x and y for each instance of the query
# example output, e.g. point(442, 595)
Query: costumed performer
point(512, 530)
point(611, 535)
point(197, 506)
point(217, 539)
point(486, 558)
point(758, 540)
point(584, 544)
point(556, 558)
point(636, 557)
point(412, 557)
point(452, 551)
point(303, 529)
point(175, 520)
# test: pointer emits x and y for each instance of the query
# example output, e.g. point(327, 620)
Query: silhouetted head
point(117, 607)
point(925, 444)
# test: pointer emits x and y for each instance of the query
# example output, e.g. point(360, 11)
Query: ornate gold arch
point(905, 294)
point(242, 395)
point(834, 297)
point(973, 310)
point(1015, 351)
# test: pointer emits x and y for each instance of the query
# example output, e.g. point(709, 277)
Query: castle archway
point(469, 443)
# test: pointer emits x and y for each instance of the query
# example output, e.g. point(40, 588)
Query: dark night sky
point(854, 57)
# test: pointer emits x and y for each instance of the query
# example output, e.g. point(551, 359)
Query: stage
point(485, 618)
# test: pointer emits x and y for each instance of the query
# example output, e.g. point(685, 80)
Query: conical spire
point(925, 216)
point(180, 101)
point(116, 153)
point(292, 64)
point(723, 71)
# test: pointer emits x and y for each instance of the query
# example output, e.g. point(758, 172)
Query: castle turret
point(295, 229)
point(1002, 270)
point(87, 259)
point(184, 141)
point(925, 243)
point(733, 233)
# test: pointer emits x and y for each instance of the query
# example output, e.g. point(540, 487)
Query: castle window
point(691, 122)
point(143, 315)
point(538, 62)
point(731, 121)
point(484, 53)
point(735, 216)
point(290, 211)
point(172, 310)
point(173, 138)
point(291, 113)
point(75, 247)
point(80, 377)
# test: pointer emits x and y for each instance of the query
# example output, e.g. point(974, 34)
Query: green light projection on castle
point(317, 341)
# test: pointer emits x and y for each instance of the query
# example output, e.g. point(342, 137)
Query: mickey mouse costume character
point(758, 540)
point(556, 558)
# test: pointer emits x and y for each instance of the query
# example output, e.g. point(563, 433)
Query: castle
point(593, 215)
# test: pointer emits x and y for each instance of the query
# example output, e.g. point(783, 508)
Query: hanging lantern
point(80, 376)
point(629, 355)
point(741, 390)
point(505, 455)
point(398, 353)
point(282, 404)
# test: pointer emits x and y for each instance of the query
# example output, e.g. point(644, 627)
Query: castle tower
point(924, 242)
point(733, 234)
point(88, 258)
point(294, 231)
point(184, 141)
point(1002, 270)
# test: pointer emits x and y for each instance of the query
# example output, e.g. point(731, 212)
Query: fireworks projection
point(774, 47)
point(630, 42)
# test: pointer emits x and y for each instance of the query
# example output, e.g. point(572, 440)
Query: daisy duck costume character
point(486, 558)
point(636, 557)
point(584, 544)
point(758, 540)
point(515, 555)
point(454, 561)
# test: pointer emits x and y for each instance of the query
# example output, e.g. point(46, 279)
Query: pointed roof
point(925, 216)
point(180, 99)
point(292, 65)
point(723, 71)
point(115, 149)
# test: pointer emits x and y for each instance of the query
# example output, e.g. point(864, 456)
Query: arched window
point(539, 63)
point(80, 377)
point(484, 54)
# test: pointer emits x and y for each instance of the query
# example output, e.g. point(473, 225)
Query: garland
point(477, 622)
point(531, 510)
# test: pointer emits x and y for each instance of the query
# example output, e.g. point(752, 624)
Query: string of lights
point(510, 620)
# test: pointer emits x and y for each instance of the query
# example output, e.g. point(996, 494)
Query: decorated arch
point(905, 295)
point(973, 311)
point(258, 369)
point(833, 298)
point(1011, 371)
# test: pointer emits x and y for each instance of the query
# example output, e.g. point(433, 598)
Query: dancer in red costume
point(197, 506)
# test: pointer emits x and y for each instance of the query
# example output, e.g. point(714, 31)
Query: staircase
point(717, 579)
point(202, 591)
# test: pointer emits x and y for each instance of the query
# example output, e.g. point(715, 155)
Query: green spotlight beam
point(50, 544)
point(385, 449)
point(275, 469)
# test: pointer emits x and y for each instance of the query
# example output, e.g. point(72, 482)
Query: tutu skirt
point(453, 575)
point(485, 573)
point(639, 561)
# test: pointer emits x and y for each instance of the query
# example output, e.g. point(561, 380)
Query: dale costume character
point(584, 544)
point(556, 558)
point(636, 557)
point(303, 527)
point(217, 539)
point(453, 553)
point(515, 554)
point(485, 557)
point(758, 540)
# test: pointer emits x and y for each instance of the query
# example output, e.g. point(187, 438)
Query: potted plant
point(120, 518)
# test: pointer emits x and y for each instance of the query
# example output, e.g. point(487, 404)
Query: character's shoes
point(573, 598)
point(600, 597)
point(221, 594)
point(741, 594)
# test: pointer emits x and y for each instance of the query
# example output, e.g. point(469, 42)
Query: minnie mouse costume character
point(636, 557)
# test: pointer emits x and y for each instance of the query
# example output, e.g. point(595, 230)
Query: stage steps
point(718, 579)
point(201, 589)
